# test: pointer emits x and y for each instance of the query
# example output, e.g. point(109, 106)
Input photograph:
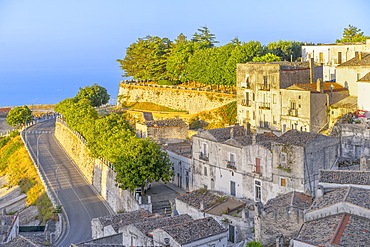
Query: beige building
point(350, 72)
point(304, 107)
point(258, 91)
point(363, 92)
point(332, 55)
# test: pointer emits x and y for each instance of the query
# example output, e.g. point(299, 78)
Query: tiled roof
point(195, 230)
point(345, 177)
point(348, 102)
point(291, 199)
point(366, 78)
point(365, 61)
point(356, 196)
point(182, 148)
point(338, 230)
point(107, 241)
point(173, 122)
point(312, 87)
point(119, 220)
point(150, 224)
point(223, 134)
point(319, 232)
point(299, 138)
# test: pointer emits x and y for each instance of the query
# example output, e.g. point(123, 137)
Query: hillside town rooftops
point(173, 122)
point(345, 177)
point(215, 203)
point(361, 59)
point(337, 230)
point(119, 220)
point(181, 148)
point(327, 87)
point(366, 78)
point(299, 138)
point(150, 224)
point(291, 199)
point(353, 195)
point(194, 230)
point(349, 102)
point(114, 240)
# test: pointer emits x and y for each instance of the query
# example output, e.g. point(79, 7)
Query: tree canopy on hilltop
point(352, 34)
point(19, 115)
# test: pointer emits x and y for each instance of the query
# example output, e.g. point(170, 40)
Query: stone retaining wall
point(97, 172)
point(191, 100)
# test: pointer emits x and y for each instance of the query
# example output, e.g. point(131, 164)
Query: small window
point(283, 158)
point(274, 98)
point(205, 171)
point(257, 190)
point(283, 182)
point(358, 76)
point(299, 96)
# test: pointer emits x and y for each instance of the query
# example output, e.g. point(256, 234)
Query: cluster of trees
point(352, 34)
point(19, 116)
point(198, 59)
point(136, 161)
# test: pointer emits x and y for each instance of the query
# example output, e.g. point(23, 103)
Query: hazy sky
point(48, 49)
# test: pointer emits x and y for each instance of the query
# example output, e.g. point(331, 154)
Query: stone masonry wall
point(97, 173)
point(192, 101)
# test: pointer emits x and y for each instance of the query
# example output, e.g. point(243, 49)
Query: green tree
point(141, 161)
point(269, 57)
point(95, 94)
point(352, 34)
point(181, 50)
point(204, 38)
point(285, 49)
point(146, 58)
point(254, 244)
point(19, 115)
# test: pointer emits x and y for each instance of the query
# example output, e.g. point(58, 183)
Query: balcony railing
point(264, 105)
point(231, 165)
point(245, 85)
point(293, 112)
point(203, 156)
point(263, 87)
point(245, 102)
point(264, 124)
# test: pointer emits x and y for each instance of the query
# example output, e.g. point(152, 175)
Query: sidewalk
point(173, 187)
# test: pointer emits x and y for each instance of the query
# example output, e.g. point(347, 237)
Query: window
point(204, 152)
point(231, 233)
point(339, 57)
point(265, 81)
point(299, 96)
point(205, 171)
point(257, 190)
point(274, 119)
point(321, 57)
point(283, 182)
point(358, 76)
point(293, 105)
point(258, 165)
point(231, 161)
point(283, 159)
point(274, 98)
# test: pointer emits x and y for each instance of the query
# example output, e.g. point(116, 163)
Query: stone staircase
point(162, 207)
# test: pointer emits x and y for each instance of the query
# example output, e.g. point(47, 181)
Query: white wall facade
point(363, 100)
point(182, 169)
point(348, 76)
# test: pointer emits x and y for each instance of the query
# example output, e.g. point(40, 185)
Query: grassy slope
point(17, 165)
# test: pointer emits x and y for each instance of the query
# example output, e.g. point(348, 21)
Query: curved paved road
point(80, 202)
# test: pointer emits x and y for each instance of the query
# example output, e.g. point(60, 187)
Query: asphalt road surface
point(80, 202)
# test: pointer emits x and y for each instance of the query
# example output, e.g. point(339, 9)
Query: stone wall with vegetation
point(97, 172)
point(192, 100)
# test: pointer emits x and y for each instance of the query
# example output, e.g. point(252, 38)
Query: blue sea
point(50, 86)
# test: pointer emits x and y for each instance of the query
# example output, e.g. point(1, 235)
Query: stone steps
point(162, 207)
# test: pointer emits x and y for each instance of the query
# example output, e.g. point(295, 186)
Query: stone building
point(281, 218)
point(305, 107)
point(163, 131)
point(235, 215)
point(262, 166)
point(350, 72)
point(109, 225)
point(180, 156)
point(258, 90)
point(340, 213)
point(140, 232)
point(332, 55)
point(201, 232)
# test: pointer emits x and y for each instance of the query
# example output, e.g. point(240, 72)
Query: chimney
point(232, 133)
point(312, 65)
point(359, 55)
point(319, 86)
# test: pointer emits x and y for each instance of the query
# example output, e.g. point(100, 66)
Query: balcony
point(245, 102)
point(263, 87)
point(264, 105)
point(203, 156)
point(245, 85)
point(293, 112)
point(264, 124)
point(231, 165)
